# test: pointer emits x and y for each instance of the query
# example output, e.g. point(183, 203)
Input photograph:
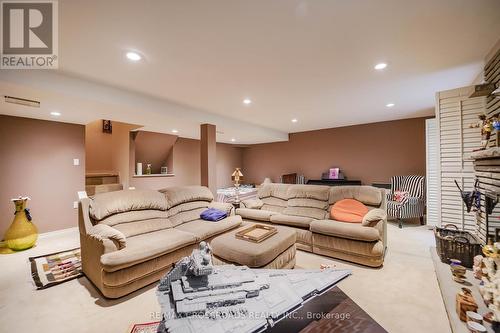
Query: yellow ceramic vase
point(22, 233)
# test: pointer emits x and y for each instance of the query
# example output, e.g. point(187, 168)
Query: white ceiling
point(310, 60)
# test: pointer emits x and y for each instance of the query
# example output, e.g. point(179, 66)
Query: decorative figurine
point(22, 233)
point(496, 123)
point(486, 129)
point(477, 268)
point(490, 280)
point(148, 169)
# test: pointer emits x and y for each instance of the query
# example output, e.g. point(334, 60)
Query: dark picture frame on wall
point(107, 126)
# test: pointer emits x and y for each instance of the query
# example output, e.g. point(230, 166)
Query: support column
point(207, 157)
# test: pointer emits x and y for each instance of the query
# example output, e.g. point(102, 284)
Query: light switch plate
point(76, 161)
point(75, 204)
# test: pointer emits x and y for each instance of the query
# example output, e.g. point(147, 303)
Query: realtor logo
point(29, 35)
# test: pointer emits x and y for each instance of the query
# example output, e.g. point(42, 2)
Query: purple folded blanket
point(213, 215)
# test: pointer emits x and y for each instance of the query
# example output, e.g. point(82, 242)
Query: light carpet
point(402, 296)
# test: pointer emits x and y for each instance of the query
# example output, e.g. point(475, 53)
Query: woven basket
point(452, 243)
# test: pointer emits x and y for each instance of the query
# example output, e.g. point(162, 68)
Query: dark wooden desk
point(333, 182)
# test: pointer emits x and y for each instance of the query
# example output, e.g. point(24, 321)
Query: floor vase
point(22, 233)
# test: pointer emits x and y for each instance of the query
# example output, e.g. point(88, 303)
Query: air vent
point(22, 101)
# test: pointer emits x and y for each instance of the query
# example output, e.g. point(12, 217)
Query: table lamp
point(236, 177)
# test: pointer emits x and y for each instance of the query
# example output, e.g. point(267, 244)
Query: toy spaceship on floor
point(198, 297)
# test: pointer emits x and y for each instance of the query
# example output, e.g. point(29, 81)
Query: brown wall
point(37, 161)
point(118, 152)
point(154, 148)
point(98, 148)
point(229, 157)
point(108, 152)
point(186, 164)
point(370, 152)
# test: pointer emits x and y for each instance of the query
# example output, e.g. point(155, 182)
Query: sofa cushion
point(146, 246)
point(273, 209)
point(345, 230)
point(304, 236)
point(105, 204)
point(187, 216)
point(294, 221)
point(135, 228)
point(373, 217)
point(310, 212)
point(186, 212)
point(313, 203)
point(348, 210)
point(224, 206)
point(272, 201)
point(308, 192)
point(205, 229)
point(255, 214)
point(273, 190)
point(133, 216)
point(186, 207)
point(254, 203)
point(368, 195)
point(309, 201)
point(181, 194)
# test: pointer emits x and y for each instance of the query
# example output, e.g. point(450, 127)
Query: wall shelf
point(155, 175)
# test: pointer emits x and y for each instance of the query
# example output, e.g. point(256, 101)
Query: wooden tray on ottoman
point(256, 233)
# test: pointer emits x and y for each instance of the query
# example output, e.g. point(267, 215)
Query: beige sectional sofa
point(306, 208)
point(129, 239)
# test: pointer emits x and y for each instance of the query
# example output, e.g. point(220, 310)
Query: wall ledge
point(487, 153)
point(154, 175)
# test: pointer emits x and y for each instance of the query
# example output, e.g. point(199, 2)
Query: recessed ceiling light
point(233, 139)
point(55, 114)
point(380, 66)
point(247, 101)
point(134, 56)
point(175, 131)
point(294, 120)
point(390, 105)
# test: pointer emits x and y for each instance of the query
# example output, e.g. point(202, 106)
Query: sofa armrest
point(105, 234)
point(254, 203)
point(224, 206)
point(373, 217)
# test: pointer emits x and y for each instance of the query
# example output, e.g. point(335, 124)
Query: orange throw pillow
point(348, 210)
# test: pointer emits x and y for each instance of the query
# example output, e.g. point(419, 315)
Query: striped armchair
point(411, 206)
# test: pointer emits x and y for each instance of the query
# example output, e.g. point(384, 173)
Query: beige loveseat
point(130, 238)
point(306, 208)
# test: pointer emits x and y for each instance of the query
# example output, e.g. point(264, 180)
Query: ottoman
point(278, 251)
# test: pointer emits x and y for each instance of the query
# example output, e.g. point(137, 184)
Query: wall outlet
point(75, 204)
point(76, 161)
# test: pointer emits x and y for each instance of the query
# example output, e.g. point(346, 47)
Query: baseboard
point(49, 234)
point(57, 232)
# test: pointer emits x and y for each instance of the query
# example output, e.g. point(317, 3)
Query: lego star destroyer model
point(198, 297)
